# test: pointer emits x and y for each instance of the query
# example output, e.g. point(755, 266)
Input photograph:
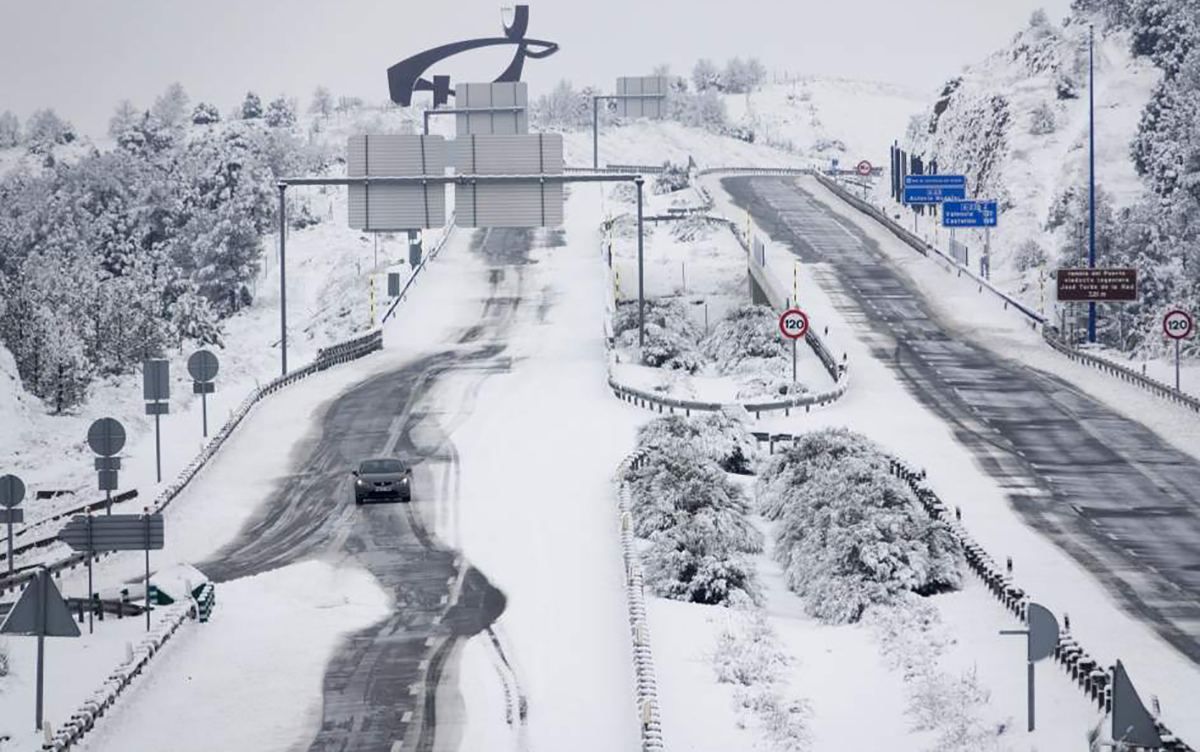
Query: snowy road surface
point(383, 683)
point(1105, 488)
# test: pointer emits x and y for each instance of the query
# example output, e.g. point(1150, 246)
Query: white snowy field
point(828, 118)
point(878, 406)
point(537, 513)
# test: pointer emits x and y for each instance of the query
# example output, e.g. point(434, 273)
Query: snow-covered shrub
point(671, 337)
point(695, 520)
point(205, 114)
point(280, 113)
point(704, 109)
point(1042, 120)
point(1029, 255)
point(744, 339)
point(716, 436)
point(850, 534)
point(10, 130)
point(672, 178)
point(252, 108)
point(690, 229)
point(748, 651)
point(45, 130)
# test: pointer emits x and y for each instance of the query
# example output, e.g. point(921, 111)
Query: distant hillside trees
point(10, 130)
point(252, 108)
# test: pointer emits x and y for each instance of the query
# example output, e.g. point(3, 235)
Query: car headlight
point(404, 480)
point(360, 483)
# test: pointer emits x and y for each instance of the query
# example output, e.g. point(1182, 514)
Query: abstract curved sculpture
point(408, 75)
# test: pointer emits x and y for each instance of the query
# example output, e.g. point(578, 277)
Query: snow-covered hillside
point(828, 118)
point(1016, 125)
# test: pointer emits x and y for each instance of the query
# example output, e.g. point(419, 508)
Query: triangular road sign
point(40, 596)
point(1131, 722)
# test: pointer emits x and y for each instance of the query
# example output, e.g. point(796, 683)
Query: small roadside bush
point(744, 338)
point(671, 337)
point(672, 178)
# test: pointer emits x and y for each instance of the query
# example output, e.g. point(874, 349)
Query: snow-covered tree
point(123, 118)
point(706, 75)
point(251, 107)
point(715, 436)
point(205, 114)
point(1042, 120)
point(171, 107)
point(349, 104)
point(280, 113)
point(322, 102)
point(45, 129)
point(564, 108)
point(10, 130)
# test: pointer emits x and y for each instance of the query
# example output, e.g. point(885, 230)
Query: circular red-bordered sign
point(1178, 324)
point(864, 168)
point(793, 323)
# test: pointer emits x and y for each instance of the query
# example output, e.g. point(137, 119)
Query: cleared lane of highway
point(1106, 489)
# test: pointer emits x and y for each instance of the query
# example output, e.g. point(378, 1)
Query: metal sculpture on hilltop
point(408, 76)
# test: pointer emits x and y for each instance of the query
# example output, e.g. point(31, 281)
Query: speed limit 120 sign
point(863, 168)
point(793, 323)
point(1178, 324)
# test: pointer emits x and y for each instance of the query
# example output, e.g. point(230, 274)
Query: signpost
point(1177, 325)
point(969, 213)
point(203, 367)
point(934, 189)
point(863, 169)
point(118, 532)
point(12, 493)
point(1097, 284)
point(1132, 724)
point(156, 390)
point(794, 324)
point(106, 437)
point(1041, 639)
point(40, 612)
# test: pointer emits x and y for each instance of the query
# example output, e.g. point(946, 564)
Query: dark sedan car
point(382, 479)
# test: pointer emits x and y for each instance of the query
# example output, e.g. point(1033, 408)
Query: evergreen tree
point(10, 130)
point(124, 117)
point(322, 102)
point(171, 107)
point(205, 114)
point(251, 107)
point(280, 114)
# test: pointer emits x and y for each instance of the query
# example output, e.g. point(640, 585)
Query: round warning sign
point(864, 168)
point(1178, 324)
point(793, 323)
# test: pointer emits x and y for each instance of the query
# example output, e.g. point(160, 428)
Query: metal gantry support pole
point(596, 132)
point(283, 277)
point(641, 266)
point(42, 579)
point(1091, 330)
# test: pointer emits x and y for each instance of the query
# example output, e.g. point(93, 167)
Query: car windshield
point(381, 466)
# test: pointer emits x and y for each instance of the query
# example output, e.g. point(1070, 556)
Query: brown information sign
point(1097, 284)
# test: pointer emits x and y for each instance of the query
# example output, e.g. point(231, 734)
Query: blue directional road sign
point(934, 189)
point(969, 213)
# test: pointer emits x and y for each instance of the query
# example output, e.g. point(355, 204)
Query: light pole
point(283, 276)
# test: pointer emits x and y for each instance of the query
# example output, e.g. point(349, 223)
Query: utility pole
point(1091, 330)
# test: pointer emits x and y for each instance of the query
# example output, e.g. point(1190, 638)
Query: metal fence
point(1125, 373)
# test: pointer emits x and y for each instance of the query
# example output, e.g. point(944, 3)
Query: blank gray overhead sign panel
point(496, 103)
point(396, 207)
point(526, 203)
point(649, 97)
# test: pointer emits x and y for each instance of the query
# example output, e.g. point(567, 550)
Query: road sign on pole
point(203, 367)
point(118, 532)
point(794, 324)
point(642, 96)
point(106, 437)
point(12, 493)
point(1041, 639)
point(1132, 724)
point(1177, 325)
point(389, 206)
point(40, 612)
point(156, 389)
point(519, 203)
point(1105, 284)
point(969, 213)
point(934, 189)
point(863, 168)
point(491, 108)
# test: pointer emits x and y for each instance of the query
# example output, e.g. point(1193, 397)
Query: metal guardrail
point(326, 358)
point(450, 227)
point(1159, 388)
point(920, 246)
point(84, 718)
point(645, 683)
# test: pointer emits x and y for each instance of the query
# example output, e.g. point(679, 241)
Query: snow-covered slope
point(1016, 125)
point(828, 118)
